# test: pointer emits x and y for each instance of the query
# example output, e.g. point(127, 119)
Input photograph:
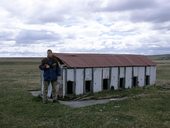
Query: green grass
point(18, 109)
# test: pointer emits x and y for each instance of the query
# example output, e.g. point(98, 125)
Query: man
point(50, 67)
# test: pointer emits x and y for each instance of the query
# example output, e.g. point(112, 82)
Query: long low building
point(84, 73)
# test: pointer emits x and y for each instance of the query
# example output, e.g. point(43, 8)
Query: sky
point(29, 27)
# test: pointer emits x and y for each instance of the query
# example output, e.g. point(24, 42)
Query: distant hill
point(160, 57)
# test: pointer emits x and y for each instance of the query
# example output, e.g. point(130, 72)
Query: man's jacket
point(51, 73)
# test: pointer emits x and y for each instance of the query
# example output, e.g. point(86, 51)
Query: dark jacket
point(50, 74)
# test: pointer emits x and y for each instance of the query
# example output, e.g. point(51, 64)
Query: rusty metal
point(103, 60)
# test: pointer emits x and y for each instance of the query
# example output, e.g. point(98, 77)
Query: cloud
point(29, 28)
point(162, 27)
point(126, 5)
point(31, 36)
point(41, 11)
point(138, 11)
point(158, 15)
point(6, 36)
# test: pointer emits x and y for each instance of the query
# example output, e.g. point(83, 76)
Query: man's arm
point(55, 63)
point(44, 64)
point(41, 67)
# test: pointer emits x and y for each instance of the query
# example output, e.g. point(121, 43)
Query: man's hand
point(47, 66)
point(54, 65)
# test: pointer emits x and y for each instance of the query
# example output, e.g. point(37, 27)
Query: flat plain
point(19, 109)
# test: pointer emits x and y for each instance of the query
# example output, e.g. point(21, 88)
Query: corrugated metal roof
point(103, 60)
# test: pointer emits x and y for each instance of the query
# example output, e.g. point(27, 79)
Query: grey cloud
point(38, 14)
point(30, 36)
point(127, 5)
point(49, 17)
point(16, 54)
point(156, 15)
point(129, 50)
point(149, 50)
point(122, 33)
point(152, 50)
point(139, 10)
point(155, 11)
point(162, 26)
point(71, 36)
point(6, 36)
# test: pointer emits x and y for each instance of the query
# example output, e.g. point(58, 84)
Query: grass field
point(18, 109)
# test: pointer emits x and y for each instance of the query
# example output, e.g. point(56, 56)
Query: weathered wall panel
point(79, 81)
point(114, 77)
point(128, 78)
point(148, 68)
point(106, 73)
point(70, 74)
point(135, 71)
point(97, 83)
point(141, 76)
point(88, 73)
point(122, 72)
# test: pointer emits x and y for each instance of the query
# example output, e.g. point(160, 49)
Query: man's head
point(49, 53)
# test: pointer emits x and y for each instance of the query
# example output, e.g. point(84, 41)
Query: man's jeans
point(54, 90)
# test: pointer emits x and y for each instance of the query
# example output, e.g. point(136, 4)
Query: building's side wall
point(96, 75)
point(141, 76)
point(97, 79)
point(79, 81)
point(128, 77)
point(152, 75)
point(114, 77)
